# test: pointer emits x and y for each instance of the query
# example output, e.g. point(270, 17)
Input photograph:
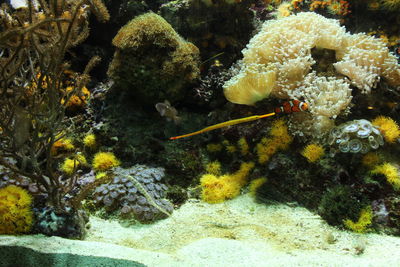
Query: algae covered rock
point(152, 62)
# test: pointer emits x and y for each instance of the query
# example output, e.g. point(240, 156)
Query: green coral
point(338, 204)
point(152, 61)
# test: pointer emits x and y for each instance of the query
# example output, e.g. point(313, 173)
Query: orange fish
point(291, 106)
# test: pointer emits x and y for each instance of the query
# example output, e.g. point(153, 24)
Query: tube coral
point(313, 152)
point(388, 127)
point(391, 172)
point(15, 212)
point(216, 189)
point(363, 222)
point(103, 161)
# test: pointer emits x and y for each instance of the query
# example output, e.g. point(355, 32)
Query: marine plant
point(34, 95)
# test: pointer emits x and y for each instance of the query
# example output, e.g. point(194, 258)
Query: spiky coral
point(216, 189)
point(391, 172)
point(370, 159)
point(313, 152)
point(243, 146)
point(90, 141)
point(280, 140)
point(71, 165)
point(214, 168)
point(15, 212)
point(63, 144)
point(255, 184)
point(365, 220)
point(103, 161)
point(391, 5)
point(388, 127)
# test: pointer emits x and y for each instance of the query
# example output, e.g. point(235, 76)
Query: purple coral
point(124, 196)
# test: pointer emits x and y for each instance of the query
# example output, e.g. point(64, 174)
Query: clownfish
point(291, 106)
point(287, 107)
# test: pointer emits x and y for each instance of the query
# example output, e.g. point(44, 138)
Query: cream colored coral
point(258, 80)
point(364, 59)
point(284, 45)
point(327, 97)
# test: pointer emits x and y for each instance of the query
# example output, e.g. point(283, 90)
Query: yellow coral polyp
point(313, 152)
point(229, 147)
point(214, 168)
point(284, 10)
point(391, 5)
point(78, 100)
point(255, 184)
point(243, 146)
point(280, 140)
point(213, 148)
point(69, 166)
point(15, 212)
point(89, 141)
point(216, 189)
point(391, 172)
point(388, 127)
point(370, 159)
point(103, 161)
point(63, 144)
point(365, 220)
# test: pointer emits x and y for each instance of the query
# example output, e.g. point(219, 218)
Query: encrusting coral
point(136, 192)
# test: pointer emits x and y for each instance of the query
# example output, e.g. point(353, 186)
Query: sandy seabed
point(238, 232)
point(241, 232)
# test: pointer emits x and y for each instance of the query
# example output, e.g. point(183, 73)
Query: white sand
point(235, 233)
point(241, 231)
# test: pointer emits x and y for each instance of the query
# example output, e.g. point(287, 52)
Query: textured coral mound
point(153, 59)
